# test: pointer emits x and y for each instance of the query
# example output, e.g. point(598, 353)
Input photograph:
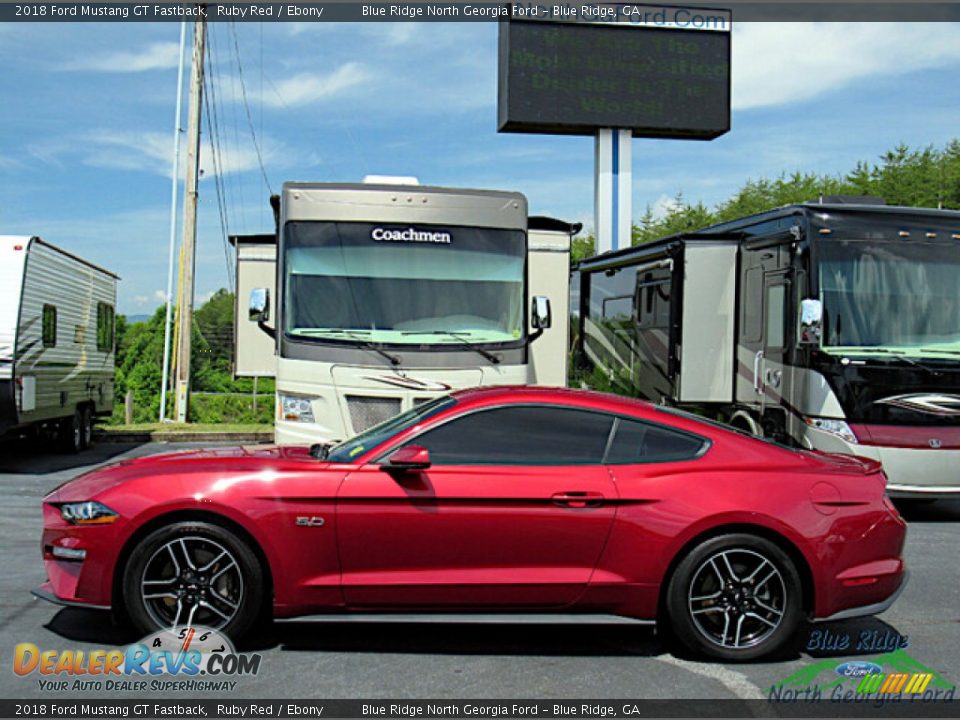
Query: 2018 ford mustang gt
point(489, 500)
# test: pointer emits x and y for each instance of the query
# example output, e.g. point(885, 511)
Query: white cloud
point(160, 295)
point(157, 56)
point(780, 63)
point(663, 206)
point(301, 89)
point(152, 152)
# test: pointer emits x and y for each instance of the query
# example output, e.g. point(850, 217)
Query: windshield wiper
point(361, 341)
point(898, 355)
point(457, 336)
point(938, 350)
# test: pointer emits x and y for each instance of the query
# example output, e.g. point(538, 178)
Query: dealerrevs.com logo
point(182, 659)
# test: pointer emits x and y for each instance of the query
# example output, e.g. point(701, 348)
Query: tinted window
point(370, 438)
point(49, 329)
point(637, 442)
point(520, 436)
point(105, 325)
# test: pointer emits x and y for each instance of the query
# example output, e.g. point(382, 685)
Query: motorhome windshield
point(896, 296)
point(403, 284)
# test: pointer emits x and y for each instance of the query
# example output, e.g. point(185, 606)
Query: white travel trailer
point(56, 340)
point(375, 298)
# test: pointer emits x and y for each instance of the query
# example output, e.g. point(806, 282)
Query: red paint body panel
point(496, 537)
point(908, 436)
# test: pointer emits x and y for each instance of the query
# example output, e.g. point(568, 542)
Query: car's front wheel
point(735, 597)
point(193, 573)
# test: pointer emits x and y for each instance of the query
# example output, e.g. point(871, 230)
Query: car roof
point(491, 395)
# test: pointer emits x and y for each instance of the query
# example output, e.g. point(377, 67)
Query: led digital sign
point(573, 78)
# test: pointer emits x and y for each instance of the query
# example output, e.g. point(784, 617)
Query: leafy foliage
point(140, 362)
point(928, 177)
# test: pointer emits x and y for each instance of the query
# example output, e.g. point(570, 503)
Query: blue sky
point(88, 110)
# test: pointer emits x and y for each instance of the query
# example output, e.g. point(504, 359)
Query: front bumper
point(45, 592)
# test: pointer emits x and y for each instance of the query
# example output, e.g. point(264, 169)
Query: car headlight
point(296, 408)
point(87, 513)
point(834, 427)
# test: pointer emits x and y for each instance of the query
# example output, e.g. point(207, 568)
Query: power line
point(246, 107)
point(216, 151)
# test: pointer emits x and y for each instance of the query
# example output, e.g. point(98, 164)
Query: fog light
point(65, 553)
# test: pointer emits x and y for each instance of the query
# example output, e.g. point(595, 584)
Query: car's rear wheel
point(193, 573)
point(735, 597)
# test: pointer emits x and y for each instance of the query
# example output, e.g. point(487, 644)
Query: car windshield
point(403, 285)
point(899, 297)
point(349, 450)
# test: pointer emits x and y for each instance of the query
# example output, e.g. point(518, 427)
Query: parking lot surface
point(512, 659)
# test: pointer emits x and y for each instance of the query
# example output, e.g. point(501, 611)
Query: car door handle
point(577, 499)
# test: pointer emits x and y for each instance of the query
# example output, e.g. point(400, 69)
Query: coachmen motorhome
point(56, 341)
point(833, 326)
point(375, 298)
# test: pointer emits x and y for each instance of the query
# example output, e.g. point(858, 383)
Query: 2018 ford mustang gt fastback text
point(489, 500)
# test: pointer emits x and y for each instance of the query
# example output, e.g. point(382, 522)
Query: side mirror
point(540, 313)
point(409, 457)
point(811, 321)
point(259, 305)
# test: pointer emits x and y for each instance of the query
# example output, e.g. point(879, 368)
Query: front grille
point(366, 411)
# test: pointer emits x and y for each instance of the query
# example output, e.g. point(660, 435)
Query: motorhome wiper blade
point(936, 350)
point(457, 336)
point(898, 355)
point(361, 341)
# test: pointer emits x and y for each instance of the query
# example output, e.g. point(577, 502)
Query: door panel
point(477, 536)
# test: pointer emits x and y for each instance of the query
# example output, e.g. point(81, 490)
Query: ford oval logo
point(935, 443)
point(858, 668)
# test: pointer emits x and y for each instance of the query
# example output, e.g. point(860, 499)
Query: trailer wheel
point(86, 428)
point(70, 433)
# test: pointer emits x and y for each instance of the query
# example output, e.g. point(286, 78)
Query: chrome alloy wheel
point(737, 598)
point(192, 580)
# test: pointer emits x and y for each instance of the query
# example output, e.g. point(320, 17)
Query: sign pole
point(613, 189)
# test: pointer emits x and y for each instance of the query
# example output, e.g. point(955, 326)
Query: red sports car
point(489, 500)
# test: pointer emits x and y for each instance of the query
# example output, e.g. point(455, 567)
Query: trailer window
point(49, 326)
point(751, 311)
point(776, 317)
point(105, 327)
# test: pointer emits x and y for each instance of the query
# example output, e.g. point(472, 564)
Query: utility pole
point(174, 196)
point(190, 220)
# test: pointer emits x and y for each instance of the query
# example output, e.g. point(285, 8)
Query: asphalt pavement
point(512, 659)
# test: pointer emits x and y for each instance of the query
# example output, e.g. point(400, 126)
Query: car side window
point(520, 435)
point(642, 442)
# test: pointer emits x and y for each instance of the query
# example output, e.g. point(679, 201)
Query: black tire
point(726, 587)
point(70, 433)
point(86, 428)
point(241, 582)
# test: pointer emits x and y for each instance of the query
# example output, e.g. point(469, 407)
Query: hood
point(232, 459)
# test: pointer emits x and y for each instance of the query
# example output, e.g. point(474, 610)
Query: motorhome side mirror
point(409, 457)
point(259, 305)
point(811, 321)
point(540, 315)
